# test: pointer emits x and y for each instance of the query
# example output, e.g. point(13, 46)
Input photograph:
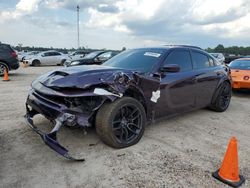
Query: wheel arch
point(137, 94)
point(35, 60)
point(5, 63)
point(216, 92)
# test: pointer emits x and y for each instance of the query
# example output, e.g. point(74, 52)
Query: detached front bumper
point(35, 106)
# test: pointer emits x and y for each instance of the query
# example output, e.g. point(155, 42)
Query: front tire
point(223, 98)
point(121, 123)
point(36, 63)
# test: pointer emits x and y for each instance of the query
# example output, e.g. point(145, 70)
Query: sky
point(114, 24)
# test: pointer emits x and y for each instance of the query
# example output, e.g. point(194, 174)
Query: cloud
point(201, 22)
point(101, 5)
point(173, 21)
point(23, 7)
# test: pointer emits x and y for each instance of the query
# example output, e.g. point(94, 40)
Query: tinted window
point(240, 64)
point(5, 48)
point(200, 60)
point(141, 60)
point(181, 58)
point(211, 62)
point(105, 55)
point(54, 53)
point(92, 55)
point(46, 54)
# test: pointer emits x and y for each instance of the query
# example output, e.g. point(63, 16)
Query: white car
point(219, 56)
point(47, 58)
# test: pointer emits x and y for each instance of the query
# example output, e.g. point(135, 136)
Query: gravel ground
point(178, 152)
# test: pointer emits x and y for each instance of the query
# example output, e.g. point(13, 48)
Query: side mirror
point(170, 68)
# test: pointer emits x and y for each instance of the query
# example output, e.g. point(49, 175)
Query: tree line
point(63, 50)
point(235, 50)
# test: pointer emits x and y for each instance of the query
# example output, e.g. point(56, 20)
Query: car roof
point(167, 47)
point(50, 51)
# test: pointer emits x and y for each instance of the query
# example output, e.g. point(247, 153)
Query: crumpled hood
point(79, 76)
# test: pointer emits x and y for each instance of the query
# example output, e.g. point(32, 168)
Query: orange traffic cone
point(5, 76)
point(229, 171)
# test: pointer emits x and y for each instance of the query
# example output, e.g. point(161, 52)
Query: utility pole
point(78, 37)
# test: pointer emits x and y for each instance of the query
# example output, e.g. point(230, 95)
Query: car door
point(177, 89)
point(55, 59)
point(45, 58)
point(207, 77)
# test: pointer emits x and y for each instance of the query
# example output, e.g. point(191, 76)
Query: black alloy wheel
point(223, 98)
point(121, 123)
point(127, 123)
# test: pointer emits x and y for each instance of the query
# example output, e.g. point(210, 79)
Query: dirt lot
point(179, 152)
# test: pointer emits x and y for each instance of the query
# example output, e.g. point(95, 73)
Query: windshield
point(141, 60)
point(240, 64)
point(91, 55)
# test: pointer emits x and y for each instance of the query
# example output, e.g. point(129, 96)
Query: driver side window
point(181, 58)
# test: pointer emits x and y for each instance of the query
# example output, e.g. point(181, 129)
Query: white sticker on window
point(152, 54)
point(155, 96)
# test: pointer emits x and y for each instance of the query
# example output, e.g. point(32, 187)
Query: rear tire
point(121, 123)
point(223, 98)
point(36, 63)
point(3, 67)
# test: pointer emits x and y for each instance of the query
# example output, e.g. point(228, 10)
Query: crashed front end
point(72, 99)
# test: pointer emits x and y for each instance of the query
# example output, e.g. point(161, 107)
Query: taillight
point(13, 54)
point(246, 78)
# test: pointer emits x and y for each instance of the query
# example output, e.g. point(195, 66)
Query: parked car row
point(227, 58)
point(96, 57)
point(53, 57)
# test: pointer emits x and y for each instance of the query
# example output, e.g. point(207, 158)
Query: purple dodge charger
point(128, 91)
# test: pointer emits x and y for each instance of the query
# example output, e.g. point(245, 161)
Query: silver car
point(47, 58)
point(219, 56)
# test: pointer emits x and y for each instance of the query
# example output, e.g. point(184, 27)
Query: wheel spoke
point(136, 117)
point(134, 111)
point(126, 133)
point(133, 131)
point(121, 135)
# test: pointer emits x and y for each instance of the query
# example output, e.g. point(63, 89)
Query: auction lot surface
point(178, 152)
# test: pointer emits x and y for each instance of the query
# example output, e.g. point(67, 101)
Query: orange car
point(240, 73)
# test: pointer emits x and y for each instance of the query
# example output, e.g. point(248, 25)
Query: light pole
point(78, 37)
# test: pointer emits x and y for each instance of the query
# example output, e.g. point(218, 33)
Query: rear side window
point(211, 62)
point(55, 53)
point(200, 60)
point(181, 58)
point(46, 54)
